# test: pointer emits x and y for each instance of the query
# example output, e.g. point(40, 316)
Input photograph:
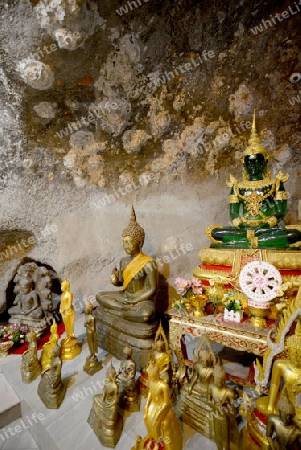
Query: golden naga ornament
point(70, 347)
point(287, 371)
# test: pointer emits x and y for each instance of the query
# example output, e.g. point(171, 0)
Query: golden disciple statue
point(51, 390)
point(222, 399)
point(70, 346)
point(161, 422)
point(128, 317)
point(287, 371)
point(30, 366)
point(282, 432)
point(257, 205)
point(104, 417)
point(92, 365)
point(46, 354)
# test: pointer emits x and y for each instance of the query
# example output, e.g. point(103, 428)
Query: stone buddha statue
point(128, 317)
point(30, 366)
point(282, 432)
point(287, 371)
point(257, 205)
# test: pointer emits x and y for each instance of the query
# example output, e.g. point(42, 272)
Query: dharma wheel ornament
point(260, 282)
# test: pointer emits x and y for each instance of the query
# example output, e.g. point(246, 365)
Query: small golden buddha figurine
point(30, 366)
point(46, 354)
point(282, 432)
point(203, 374)
point(92, 365)
point(288, 371)
point(104, 417)
point(70, 347)
point(160, 420)
point(51, 390)
point(126, 379)
point(222, 399)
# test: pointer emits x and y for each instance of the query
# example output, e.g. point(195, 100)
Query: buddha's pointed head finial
point(134, 230)
point(255, 146)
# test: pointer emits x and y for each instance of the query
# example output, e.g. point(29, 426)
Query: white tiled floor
point(67, 427)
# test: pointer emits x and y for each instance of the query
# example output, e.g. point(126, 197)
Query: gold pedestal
point(92, 365)
point(70, 348)
point(258, 316)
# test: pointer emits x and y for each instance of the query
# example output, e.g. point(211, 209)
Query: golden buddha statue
point(162, 356)
point(126, 379)
point(30, 366)
point(46, 353)
point(161, 422)
point(51, 390)
point(257, 204)
point(203, 374)
point(288, 371)
point(104, 417)
point(92, 365)
point(222, 399)
point(195, 408)
point(128, 317)
point(282, 432)
point(70, 346)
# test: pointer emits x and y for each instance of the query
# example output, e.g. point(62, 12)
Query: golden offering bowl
point(198, 301)
point(258, 316)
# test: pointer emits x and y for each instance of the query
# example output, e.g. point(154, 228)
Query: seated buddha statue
point(128, 316)
point(281, 431)
point(257, 204)
point(222, 399)
point(126, 380)
point(51, 389)
point(104, 417)
point(30, 366)
point(286, 374)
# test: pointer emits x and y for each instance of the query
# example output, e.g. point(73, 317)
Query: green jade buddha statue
point(257, 205)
